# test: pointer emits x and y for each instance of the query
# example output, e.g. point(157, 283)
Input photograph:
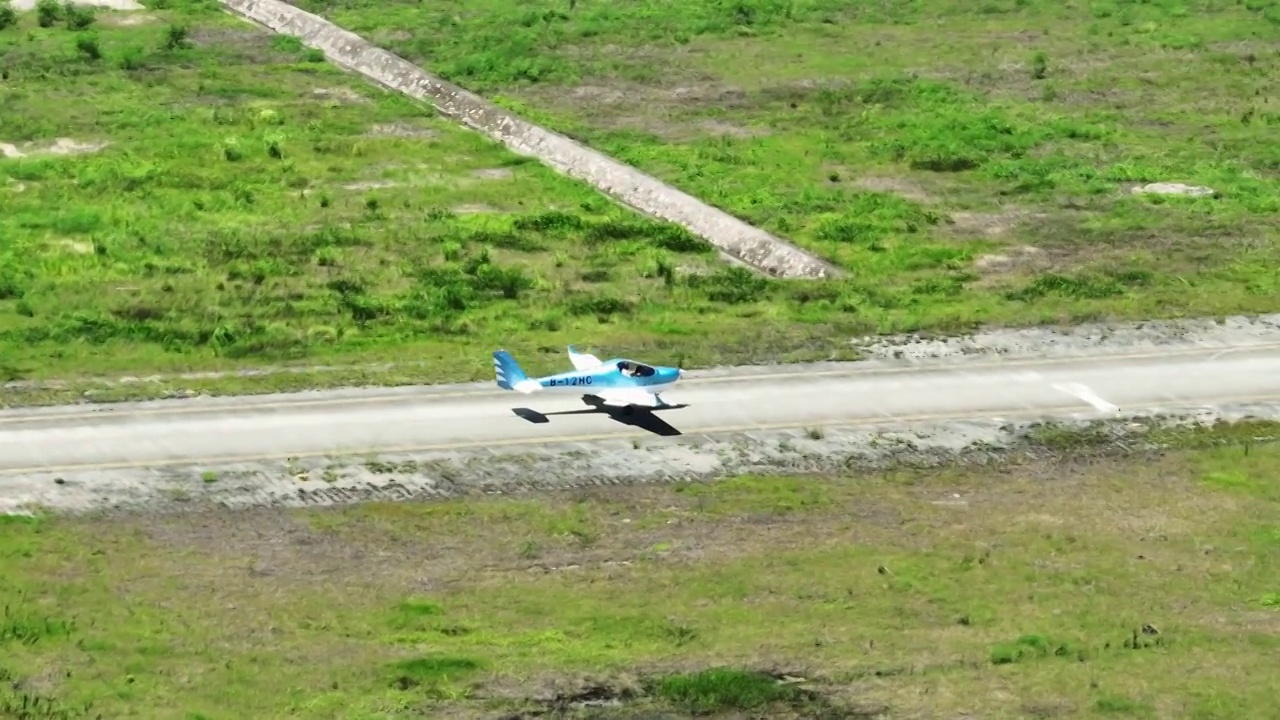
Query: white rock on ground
point(1163, 188)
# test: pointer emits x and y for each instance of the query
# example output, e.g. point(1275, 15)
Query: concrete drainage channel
point(735, 238)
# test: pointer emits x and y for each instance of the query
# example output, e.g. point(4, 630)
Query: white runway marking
point(1084, 393)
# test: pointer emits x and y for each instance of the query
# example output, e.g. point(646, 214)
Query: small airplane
point(618, 382)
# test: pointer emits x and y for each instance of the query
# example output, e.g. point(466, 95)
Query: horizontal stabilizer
point(527, 386)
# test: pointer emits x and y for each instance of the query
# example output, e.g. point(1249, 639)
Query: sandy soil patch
point(991, 224)
point(341, 94)
point(129, 20)
point(903, 188)
point(386, 37)
point(1011, 258)
point(474, 209)
point(494, 174)
point(370, 185)
point(400, 129)
point(61, 146)
point(654, 110)
point(677, 131)
point(125, 5)
point(77, 247)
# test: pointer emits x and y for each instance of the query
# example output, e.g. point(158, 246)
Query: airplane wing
point(621, 397)
point(583, 361)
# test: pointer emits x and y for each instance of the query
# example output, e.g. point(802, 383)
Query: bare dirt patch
point(341, 94)
point(719, 127)
point(401, 129)
point(1020, 256)
point(60, 146)
point(123, 5)
point(250, 45)
point(994, 224)
point(494, 174)
point(655, 123)
point(904, 188)
point(137, 18)
point(667, 110)
point(77, 247)
point(370, 185)
point(251, 543)
point(388, 37)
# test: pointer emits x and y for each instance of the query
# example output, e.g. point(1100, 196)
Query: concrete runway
point(224, 430)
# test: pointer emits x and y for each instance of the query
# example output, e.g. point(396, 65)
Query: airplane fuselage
point(618, 382)
point(586, 382)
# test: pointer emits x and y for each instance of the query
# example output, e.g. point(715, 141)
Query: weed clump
point(411, 613)
point(48, 13)
point(8, 16)
point(77, 16)
point(432, 672)
point(1039, 66)
point(1084, 286)
point(734, 285)
point(14, 278)
point(1030, 647)
point(725, 690)
point(175, 37)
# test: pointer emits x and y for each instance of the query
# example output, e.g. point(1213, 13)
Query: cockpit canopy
point(634, 369)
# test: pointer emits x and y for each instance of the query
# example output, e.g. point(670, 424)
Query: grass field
point(1086, 586)
point(246, 204)
point(859, 128)
point(995, 142)
point(250, 204)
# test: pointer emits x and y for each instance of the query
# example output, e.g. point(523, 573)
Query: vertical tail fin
point(507, 370)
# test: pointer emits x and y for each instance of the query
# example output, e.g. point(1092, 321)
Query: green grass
point(907, 140)
point(255, 206)
point(723, 689)
point(1135, 587)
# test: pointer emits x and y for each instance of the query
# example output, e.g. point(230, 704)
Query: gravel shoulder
point(318, 482)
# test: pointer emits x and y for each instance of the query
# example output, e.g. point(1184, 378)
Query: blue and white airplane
point(618, 382)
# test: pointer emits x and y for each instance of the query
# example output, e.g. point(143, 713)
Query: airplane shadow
point(639, 417)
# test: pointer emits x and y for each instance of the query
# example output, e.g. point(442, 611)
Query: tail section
point(509, 374)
